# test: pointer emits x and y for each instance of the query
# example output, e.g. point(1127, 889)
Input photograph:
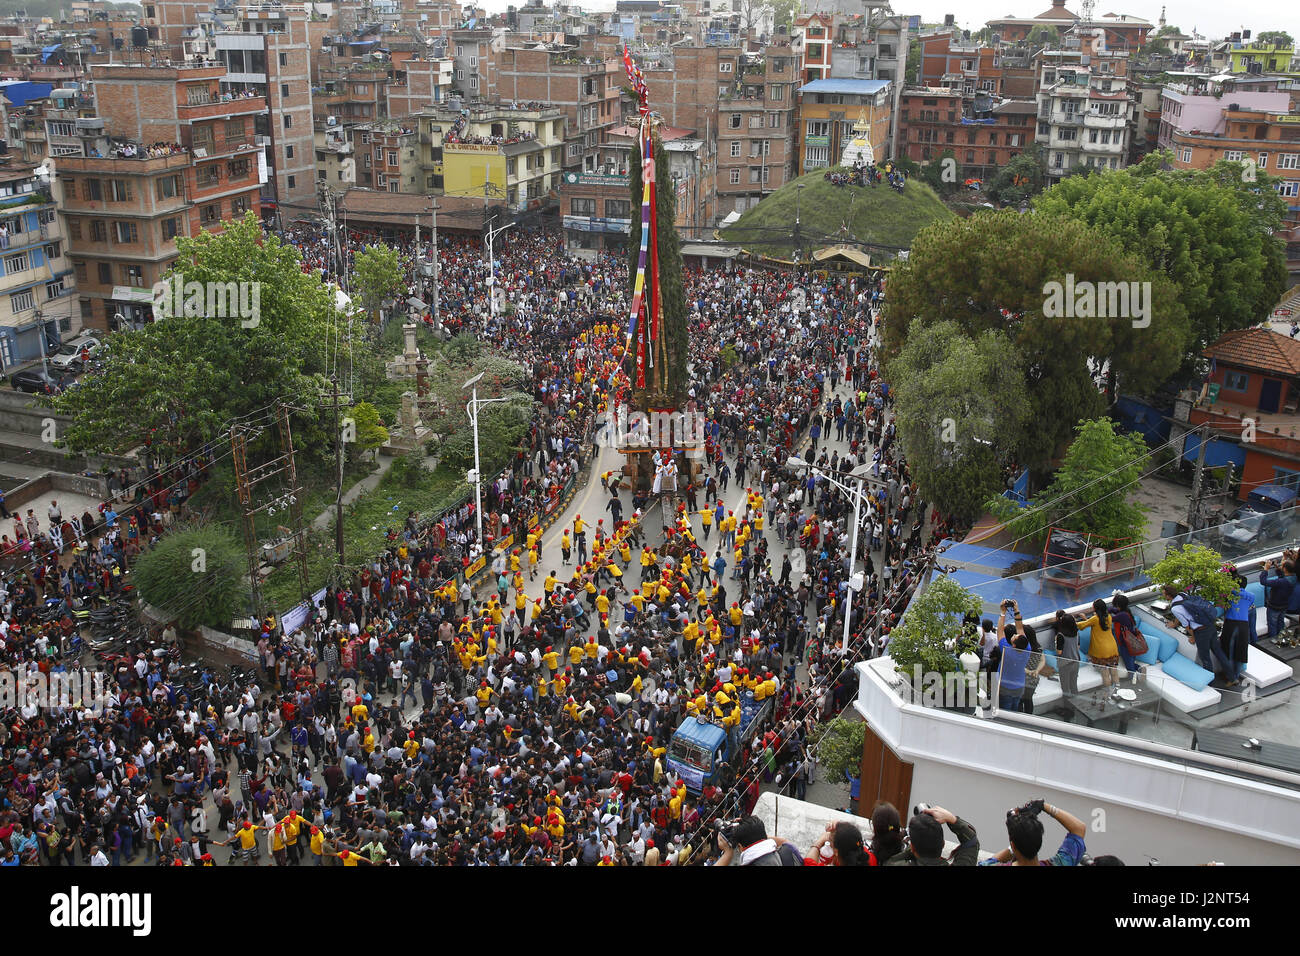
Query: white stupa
point(858, 151)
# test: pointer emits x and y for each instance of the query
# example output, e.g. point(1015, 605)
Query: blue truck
point(700, 749)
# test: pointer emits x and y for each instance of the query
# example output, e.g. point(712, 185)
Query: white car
point(69, 357)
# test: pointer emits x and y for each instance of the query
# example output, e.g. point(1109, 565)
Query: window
point(1185, 155)
point(74, 228)
point(724, 90)
point(724, 66)
point(53, 250)
point(288, 121)
point(54, 289)
point(813, 52)
point(460, 49)
point(168, 187)
point(284, 59)
point(293, 182)
point(1233, 155)
point(63, 129)
point(1235, 381)
point(774, 120)
point(210, 215)
point(778, 91)
point(284, 91)
point(46, 217)
point(733, 122)
point(1289, 190)
point(392, 157)
point(735, 148)
point(21, 302)
point(970, 156)
point(460, 74)
point(124, 232)
point(756, 121)
point(618, 208)
point(473, 61)
point(236, 130)
point(105, 273)
point(754, 173)
point(735, 177)
point(170, 228)
point(133, 275)
point(1263, 161)
point(80, 269)
point(1288, 161)
point(92, 191)
point(583, 207)
point(16, 263)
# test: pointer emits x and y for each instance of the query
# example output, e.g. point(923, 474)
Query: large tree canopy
point(962, 408)
point(1213, 232)
point(999, 270)
point(176, 383)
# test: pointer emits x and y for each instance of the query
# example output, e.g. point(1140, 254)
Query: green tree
point(913, 69)
point(1275, 38)
point(371, 432)
point(932, 635)
point(1089, 492)
point(838, 746)
point(376, 276)
point(962, 408)
point(1195, 567)
point(1002, 271)
point(670, 275)
point(176, 384)
point(1214, 233)
point(784, 12)
point(1018, 180)
point(196, 573)
point(943, 174)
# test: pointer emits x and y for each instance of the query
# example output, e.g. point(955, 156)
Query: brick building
point(828, 112)
point(756, 128)
point(585, 87)
point(419, 85)
point(983, 135)
point(387, 156)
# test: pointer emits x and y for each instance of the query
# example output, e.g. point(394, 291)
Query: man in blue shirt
point(1278, 588)
point(1025, 834)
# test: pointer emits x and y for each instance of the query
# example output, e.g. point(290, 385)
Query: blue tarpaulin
point(48, 51)
point(1217, 452)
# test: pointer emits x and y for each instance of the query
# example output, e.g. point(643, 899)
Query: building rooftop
point(834, 85)
point(1257, 348)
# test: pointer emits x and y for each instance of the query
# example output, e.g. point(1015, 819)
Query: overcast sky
point(1213, 18)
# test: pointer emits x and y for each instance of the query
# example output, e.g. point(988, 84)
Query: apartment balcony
point(1098, 121)
point(219, 108)
point(1061, 118)
point(1113, 148)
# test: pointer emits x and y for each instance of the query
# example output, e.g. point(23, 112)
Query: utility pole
point(1194, 505)
point(337, 406)
point(434, 207)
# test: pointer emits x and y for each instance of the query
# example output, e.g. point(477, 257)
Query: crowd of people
point(869, 174)
point(415, 719)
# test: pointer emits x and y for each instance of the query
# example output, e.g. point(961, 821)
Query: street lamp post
point(798, 241)
point(471, 409)
point(856, 494)
point(492, 269)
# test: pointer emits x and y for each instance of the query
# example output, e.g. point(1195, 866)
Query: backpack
point(1201, 610)
point(1130, 637)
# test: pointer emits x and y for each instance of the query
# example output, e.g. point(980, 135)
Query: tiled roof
point(1260, 349)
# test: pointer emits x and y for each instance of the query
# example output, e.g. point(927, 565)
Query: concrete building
point(506, 157)
point(1085, 113)
point(475, 53)
point(37, 288)
point(336, 162)
point(874, 48)
point(419, 84)
point(828, 112)
point(586, 87)
point(388, 156)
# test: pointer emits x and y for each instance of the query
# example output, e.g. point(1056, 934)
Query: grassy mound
point(878, 215)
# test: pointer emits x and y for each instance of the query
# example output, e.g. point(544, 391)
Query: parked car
point(73, 354)
point(1267, 514)
point(39, 382)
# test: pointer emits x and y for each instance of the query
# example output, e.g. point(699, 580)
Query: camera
point(726, 829)
point(1032, 808)
point(920, 808)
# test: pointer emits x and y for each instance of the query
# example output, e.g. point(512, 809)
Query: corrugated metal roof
point(844, 86)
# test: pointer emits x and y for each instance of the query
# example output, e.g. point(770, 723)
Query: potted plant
point(1194, 567)
point(928, 646)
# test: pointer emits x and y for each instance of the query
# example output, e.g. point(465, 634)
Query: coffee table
point(1104, 709)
